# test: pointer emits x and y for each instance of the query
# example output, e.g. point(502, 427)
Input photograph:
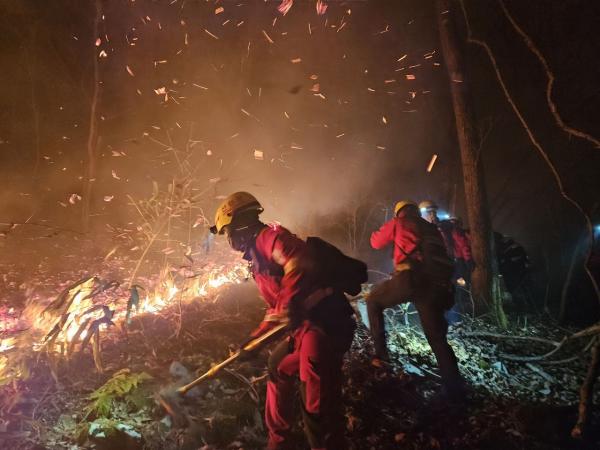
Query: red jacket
point(403, 232)
point(276, 270)
point(456, 239)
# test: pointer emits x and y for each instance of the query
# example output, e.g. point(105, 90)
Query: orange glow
point(83, 311)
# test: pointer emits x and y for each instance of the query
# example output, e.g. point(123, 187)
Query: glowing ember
point(7, 344)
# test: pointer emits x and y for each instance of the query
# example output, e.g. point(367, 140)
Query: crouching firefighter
point(302, 282)
point(422, 275)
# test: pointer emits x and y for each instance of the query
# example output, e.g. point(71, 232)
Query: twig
point(40, 401)
point(144, 253)
point(247, 382)
point(180, 324)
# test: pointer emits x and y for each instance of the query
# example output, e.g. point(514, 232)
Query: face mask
point(238, 239)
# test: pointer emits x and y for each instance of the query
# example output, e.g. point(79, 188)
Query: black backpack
point(336, 269)
point(436, 266)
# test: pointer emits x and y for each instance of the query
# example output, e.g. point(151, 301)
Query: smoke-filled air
point(293, 224)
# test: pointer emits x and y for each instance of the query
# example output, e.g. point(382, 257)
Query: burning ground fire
point(85, 308)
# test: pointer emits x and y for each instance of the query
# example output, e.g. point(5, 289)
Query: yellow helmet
point(428, 205)
point(234, 204)
point(401, 204)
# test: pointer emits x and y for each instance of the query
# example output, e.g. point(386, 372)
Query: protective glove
point(271, 320)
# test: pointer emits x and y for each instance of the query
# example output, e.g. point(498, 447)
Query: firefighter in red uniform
point(321, 323)
point(422, 275)
point(458, 246)
point(455, 237)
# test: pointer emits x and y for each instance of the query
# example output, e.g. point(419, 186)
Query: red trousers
point(316, 359)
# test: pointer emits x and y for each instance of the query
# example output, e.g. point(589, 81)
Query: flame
point(7, 344)
point(169, 289)
point(201, 286)
point(77, 313)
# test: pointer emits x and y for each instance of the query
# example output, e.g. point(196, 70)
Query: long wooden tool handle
point(250, 346)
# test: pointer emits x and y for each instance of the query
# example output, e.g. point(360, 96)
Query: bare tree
point(485, 287)
point(92, 141)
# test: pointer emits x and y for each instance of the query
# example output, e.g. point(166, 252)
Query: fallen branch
point(511, 357)
point(541, 372)
point(571, 358)
point(594, 329)
point(506, 336)
point(558, 362)
point(541, 358)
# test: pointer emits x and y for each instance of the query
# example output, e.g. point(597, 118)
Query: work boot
point(450, 396)
point(377, 328)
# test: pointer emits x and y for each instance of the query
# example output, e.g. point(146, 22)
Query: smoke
point(315, 115)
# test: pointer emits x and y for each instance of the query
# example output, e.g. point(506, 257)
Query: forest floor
point(51, 401)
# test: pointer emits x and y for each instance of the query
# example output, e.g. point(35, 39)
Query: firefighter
point(429, 211)
point(458, 246)
point(321, 325)
point(422, 275)
point(515, 268)
point(455, 237)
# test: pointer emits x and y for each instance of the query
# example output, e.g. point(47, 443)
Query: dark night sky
point(332, 154)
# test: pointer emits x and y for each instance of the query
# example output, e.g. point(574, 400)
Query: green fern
point(122, 387)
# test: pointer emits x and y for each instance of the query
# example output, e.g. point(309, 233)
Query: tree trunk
point(586, 393)
point(35, 113)
point(477, 207)
point(92, 141)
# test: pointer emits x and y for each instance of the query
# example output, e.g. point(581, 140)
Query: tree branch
point(550, 84)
